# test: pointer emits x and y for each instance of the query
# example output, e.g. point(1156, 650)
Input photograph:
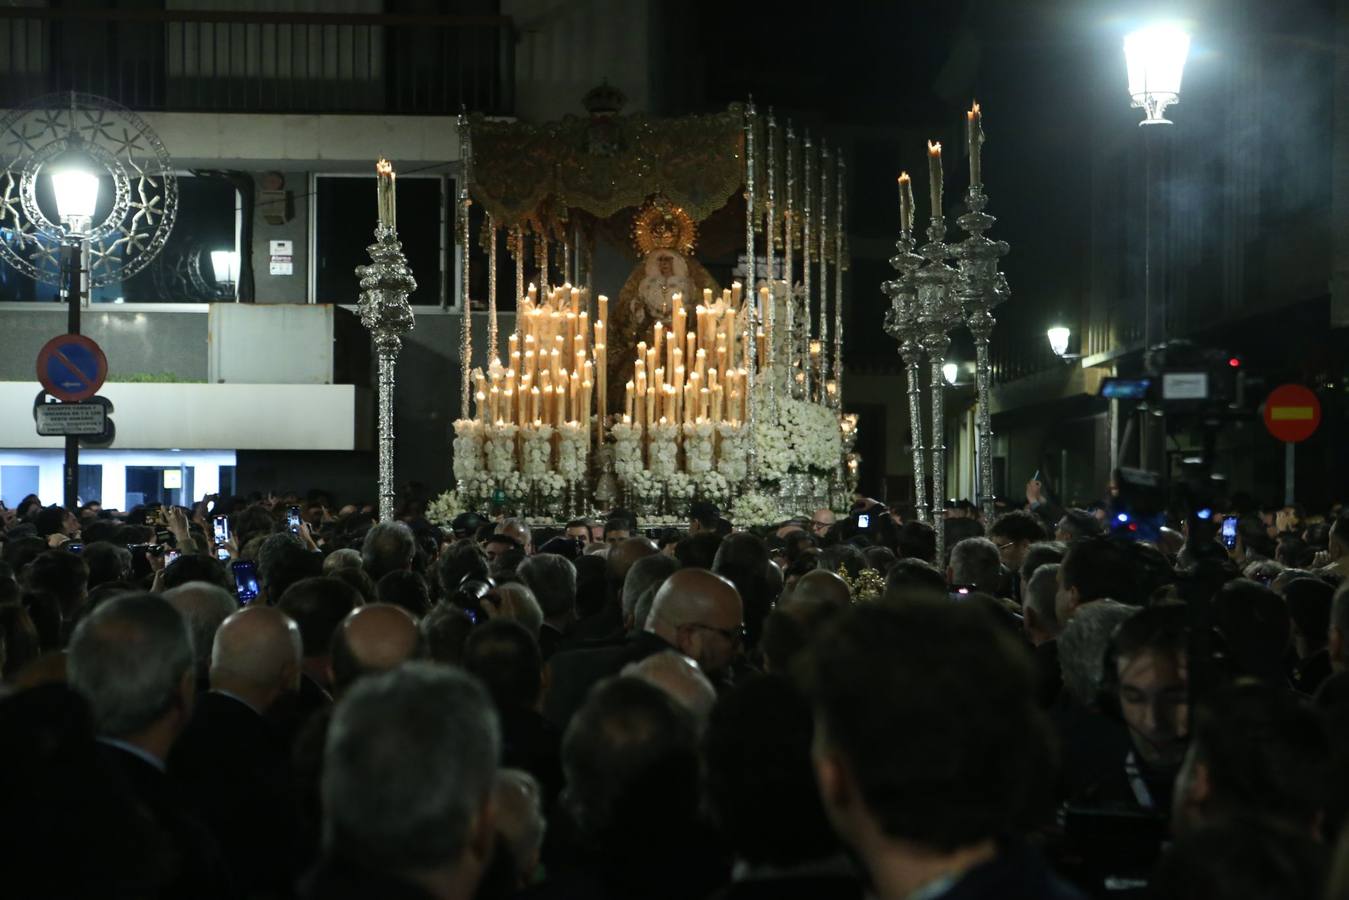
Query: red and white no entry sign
point(1292, 413)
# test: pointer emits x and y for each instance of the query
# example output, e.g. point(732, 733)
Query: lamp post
point(1059, 336)
point(225, 265)
point(76, 192)
point(1155, 59)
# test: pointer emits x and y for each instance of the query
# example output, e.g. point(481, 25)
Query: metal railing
point(198, 61)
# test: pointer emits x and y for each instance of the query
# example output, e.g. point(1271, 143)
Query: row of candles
point(974, 136)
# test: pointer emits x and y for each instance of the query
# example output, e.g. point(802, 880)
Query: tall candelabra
point(901, 323)
point(384, 309)
point(980, 287)
point(938, 312)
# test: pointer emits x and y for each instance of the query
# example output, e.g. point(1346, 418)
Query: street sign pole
point(74, 291)
point(1288, 465)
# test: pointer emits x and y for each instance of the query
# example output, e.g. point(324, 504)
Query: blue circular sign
point(71, 367)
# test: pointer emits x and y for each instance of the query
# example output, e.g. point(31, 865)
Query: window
point(344, 222)
point(208, 219)
point(17, 482)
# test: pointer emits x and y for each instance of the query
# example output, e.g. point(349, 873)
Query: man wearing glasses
point(701, 615)
point(821, 521)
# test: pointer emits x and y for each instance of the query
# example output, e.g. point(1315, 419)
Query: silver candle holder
point(901, 323)
point(938, 313)
point(385, 311)
point(980, 287)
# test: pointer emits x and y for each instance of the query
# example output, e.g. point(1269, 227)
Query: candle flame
point(904, 178)
point(383, 167)
point(934, 149)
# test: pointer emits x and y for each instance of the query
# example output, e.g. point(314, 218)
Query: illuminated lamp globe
point(1058, 339)
point(1155, 58)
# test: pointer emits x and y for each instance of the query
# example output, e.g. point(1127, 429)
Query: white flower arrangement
point(550, 487)
point(754, 509)
point(443, 509)
point(699, 447)
point(680, 488)
point(644, 490)
point(499, 449)
point(663, 450)
point(572, 445)
point(801, 438)
point(468, 440)
point(627, 452)
point(536, 450)
point(733, 452)
point(713, 486)
point(514, 485)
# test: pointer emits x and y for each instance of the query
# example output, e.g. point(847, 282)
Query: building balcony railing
point(199, 61)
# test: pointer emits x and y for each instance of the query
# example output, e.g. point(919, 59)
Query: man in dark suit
point(232, 760)
point(132, 660)
point(695, 612)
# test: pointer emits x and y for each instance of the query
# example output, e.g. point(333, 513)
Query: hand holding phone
point(293, 520)
point(1229, 532)
point(245, 581)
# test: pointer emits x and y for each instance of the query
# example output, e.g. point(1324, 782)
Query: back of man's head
point(1037, 601)
point(1017, 525)
point(282, 561)
point(204, 606)
point(929, 708)
point(975, 561)
point(1263, 753)
point(256, 651)
point(405, 589)
point(1082, 646)
point(195, 567)
point(680, 678)
point(1042, 554)
point(106, 561)
point(631, 765)
point(759, 775)
point(645, 573)
point(61, 574)
point(1079, 525)
point(1255, 624)
point(911, 579)
point(820, 586)
point(388, 547)
point(130, 659)
point(918, 540)
point(460, 560)
point(344, 558)
point(373, 638)
point(552, 578)
point(1308, 602)
point(444, 632)
point(318, 606)
point(1097, 569)
point(408, 770)
point(505, 657)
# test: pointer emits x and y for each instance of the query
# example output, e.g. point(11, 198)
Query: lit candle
point(934, 175)
point(480, 402)
point(632, 388)
point(603, 315)
point(657, 341)
point(905, 202)
point(546, 404)
point(650, 405)
point(534, 395)
point(975, 134)
point(494, 404)
point(704, 396)
point(385, 193)
point(761, 345)
point(736, 288)
point(508, 398)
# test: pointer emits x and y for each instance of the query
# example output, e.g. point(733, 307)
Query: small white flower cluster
point(699, 447)
point(733, 453)
point(680, 488)
point(644, 490)
point(443, 509)
point(536, 450)
point(627, 452)
point(573, 442)
point(499, 448)
point(713, 486)
point(753, 509)
point(663, 450)
point(550, 487)
point(468, 439)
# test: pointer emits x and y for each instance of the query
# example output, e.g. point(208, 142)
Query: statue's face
point(665, 263)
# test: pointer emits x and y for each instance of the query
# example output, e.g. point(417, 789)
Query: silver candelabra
point(980, 287)
point(384, 308)
point(901, 323)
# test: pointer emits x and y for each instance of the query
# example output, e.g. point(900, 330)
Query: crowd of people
point(273, 697)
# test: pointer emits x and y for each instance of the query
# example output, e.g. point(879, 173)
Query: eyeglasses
point(734, 635)
point(1002, 547)
point(821, 524)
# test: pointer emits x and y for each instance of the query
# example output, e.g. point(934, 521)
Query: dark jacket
point(575, 672)
point(233, 764)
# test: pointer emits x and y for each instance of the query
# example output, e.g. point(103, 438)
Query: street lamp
point(1058, 340)
point(76, 190)
point(225, 265)
point(950, 371)
point(1155, 57)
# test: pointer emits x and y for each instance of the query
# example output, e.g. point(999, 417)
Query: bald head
point(204, 606)
point(821, 586)
point(701, 615)
point(622, 556)
point(374, 638)
point(256, 655)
